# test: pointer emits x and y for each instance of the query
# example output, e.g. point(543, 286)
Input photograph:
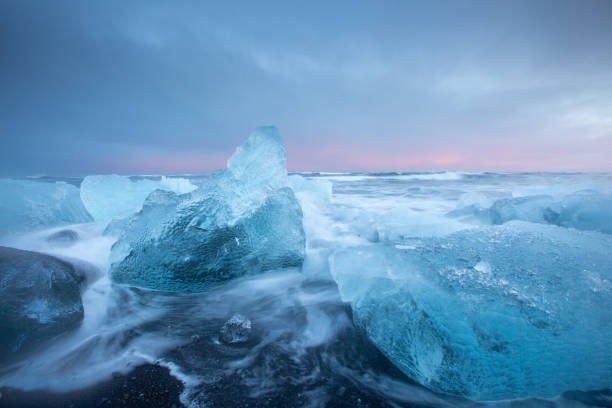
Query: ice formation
point(39, 298)
point(244, 219)
point(235, 330)
point(108, 196)
point(495, 312)
point(585, 210)
point(27, 205)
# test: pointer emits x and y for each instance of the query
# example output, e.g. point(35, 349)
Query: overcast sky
point(143, 87)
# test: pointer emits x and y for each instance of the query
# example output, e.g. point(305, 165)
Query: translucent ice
point(317, 191)
point(27, 205)
point(235, 330)
point(108, 196)
point(241, 220)
point(39, 298)
point(496, 312)
point(585, 210)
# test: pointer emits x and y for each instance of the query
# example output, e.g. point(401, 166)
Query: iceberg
point(39, 298)
point(493, 312)
point(109, 196)
point(241, 220)
point(27, 205)
point(588, 210)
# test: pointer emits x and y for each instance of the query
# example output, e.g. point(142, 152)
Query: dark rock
point(236, 330)
point(39, 299)
point(65, 237)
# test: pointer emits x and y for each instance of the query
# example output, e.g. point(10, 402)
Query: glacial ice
point(241, 220)
point(27, 205)
point(493, 312)
point(39, 298)
point(584, 210)
point(318, 191)
point(235, 330)
point(108, 196)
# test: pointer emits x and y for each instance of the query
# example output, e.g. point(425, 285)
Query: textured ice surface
point(27, 205)
point(108, 196)
point(493, 312)
point(585, 210)
point(240, 220)
point(39, 298)
point(319, 190)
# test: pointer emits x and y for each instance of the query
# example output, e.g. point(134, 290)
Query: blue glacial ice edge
point(241, 220)
point(490, 313)
point(126, 193)
point(584, 210)
point(28, 205)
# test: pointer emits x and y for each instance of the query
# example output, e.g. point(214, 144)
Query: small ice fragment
point(236, 330)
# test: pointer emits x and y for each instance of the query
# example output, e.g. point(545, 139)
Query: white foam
point(350, 177)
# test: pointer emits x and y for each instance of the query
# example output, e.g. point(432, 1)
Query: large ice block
point(494, 312)
point(588, 210)
point(108, 196)
point(241, 220)
point(27, 205)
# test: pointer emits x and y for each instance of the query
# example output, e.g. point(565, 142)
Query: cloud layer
point(166, 87)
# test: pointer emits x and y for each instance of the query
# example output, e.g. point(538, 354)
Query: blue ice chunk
point(260, 161)
point(241, 220)
point(27, 205)
point(584, 210)
point(108, 196)
point(495, 312)
point(530, 208)
point(235, 330)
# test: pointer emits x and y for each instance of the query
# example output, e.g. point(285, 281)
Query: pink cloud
point(507, 155)
point(585, 155)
